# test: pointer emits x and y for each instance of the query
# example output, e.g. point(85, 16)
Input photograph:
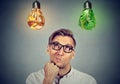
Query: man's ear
point(73, 55)
point(48, 49)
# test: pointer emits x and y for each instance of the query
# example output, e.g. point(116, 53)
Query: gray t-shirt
point(73, 77)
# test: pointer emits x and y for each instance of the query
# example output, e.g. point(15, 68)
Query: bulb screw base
point(36, 4)
point(87, 5)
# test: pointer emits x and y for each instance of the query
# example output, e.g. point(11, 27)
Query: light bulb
point(87, 19)
point(35, 19)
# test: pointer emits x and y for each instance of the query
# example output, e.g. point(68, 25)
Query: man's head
point(61, 47)
point(62, 32)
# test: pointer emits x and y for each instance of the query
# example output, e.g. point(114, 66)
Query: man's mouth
point(58, 59)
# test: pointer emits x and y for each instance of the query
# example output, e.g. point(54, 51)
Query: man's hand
point(51, 71)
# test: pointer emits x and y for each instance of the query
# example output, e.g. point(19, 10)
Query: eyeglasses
point(57, 46)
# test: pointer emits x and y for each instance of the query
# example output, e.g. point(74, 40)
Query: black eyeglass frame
point(64, 47)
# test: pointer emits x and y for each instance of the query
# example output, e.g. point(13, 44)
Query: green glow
point(87, 19)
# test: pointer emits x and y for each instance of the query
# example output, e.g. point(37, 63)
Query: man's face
point(60, 57)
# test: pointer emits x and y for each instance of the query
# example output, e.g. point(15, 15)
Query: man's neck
point(64, 71)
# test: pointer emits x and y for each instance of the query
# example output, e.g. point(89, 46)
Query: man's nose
point(61, 51)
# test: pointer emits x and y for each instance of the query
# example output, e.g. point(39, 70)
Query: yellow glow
point(35, 19)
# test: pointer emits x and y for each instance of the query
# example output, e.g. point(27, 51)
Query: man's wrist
point(47, 80)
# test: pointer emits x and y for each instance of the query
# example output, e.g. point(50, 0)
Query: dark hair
point(62, 32)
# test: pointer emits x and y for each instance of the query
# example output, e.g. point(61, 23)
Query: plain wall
point(23, 50)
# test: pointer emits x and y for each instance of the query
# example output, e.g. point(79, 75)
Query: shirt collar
point(69, 74)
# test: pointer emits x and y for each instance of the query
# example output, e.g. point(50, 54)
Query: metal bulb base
point(36, 4)
point(88, 4)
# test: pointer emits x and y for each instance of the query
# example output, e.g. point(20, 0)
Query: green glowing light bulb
point(87, 20)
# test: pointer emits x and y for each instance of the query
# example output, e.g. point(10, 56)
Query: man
point(59, 70)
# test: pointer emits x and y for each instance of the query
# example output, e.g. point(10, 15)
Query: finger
point(53, 62)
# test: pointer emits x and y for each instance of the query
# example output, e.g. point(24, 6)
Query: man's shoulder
point(37, 73)
point(35, 77)
point(82, 75)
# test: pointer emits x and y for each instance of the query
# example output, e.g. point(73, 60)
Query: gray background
point(23, 50)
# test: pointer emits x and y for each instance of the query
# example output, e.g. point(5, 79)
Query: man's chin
point(59, 66)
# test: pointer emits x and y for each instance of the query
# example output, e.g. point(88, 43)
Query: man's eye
point(55, 43)
point(69, 47)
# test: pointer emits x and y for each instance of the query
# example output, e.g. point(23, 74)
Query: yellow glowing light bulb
point(35, 19)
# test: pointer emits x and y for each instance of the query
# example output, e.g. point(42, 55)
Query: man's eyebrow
point(65, 44)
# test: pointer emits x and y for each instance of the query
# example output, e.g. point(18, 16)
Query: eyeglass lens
point(58, 46)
